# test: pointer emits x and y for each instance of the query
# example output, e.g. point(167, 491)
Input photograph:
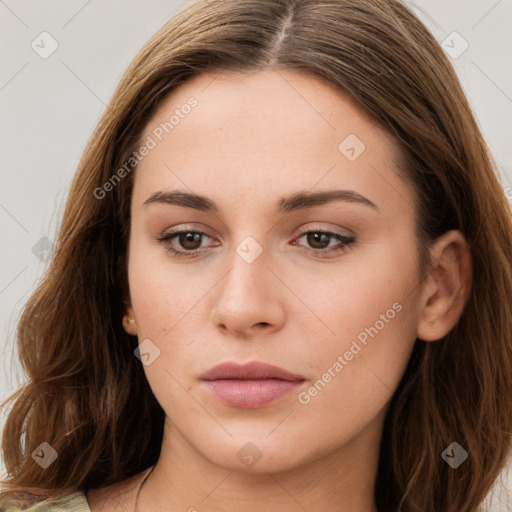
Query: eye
point(189, 240)
point(319, 242)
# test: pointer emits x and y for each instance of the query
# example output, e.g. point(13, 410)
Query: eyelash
point(345, 240)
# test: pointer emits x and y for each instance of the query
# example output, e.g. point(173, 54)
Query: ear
point(447, 289)
point(129, 324)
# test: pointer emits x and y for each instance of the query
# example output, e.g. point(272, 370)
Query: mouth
point(251, 385)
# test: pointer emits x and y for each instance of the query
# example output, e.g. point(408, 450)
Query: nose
point(249, 299)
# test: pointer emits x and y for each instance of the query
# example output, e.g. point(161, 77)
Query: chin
point(257, 455)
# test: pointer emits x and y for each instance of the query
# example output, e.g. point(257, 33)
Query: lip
point(249, 386)
point(254, 370)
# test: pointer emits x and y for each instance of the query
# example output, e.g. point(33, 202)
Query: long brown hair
point(87, 395)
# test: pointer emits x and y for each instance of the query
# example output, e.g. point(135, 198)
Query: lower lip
point(250, 394)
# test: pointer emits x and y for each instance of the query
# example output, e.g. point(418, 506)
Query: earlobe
point(447, 290)
point(129, 323)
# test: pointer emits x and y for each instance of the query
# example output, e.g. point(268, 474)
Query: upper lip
point(254, 370)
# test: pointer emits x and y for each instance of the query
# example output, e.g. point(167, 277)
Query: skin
point(252, 139)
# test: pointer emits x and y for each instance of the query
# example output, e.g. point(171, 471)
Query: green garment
point(74, 502)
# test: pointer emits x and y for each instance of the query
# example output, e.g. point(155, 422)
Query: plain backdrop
point(50, 104)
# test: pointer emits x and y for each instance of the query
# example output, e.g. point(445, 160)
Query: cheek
point(357, 379)
point(353, 296)
point(167, 302)
point(166, 296)
point(372, 318)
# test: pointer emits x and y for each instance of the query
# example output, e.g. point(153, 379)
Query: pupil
point(315, 239)
point(189, 238)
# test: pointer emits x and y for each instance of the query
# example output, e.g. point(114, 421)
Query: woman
point(282, 280)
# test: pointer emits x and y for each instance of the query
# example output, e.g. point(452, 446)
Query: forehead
point(297, 104)
point(262, 132)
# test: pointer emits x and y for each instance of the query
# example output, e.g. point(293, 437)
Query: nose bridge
point(248, 265)
point(245, 297)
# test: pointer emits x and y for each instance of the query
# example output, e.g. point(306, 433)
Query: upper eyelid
point(315, 227)
point(326, 231)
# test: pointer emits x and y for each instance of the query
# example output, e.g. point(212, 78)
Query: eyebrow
point(298, 201)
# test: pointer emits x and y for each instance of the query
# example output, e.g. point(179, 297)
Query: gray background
point(49, 107)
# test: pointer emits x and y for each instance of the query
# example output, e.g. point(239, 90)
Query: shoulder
point(71, 502)
point(113, 498)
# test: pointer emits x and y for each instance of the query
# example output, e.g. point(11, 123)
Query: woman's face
point(282, 163)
